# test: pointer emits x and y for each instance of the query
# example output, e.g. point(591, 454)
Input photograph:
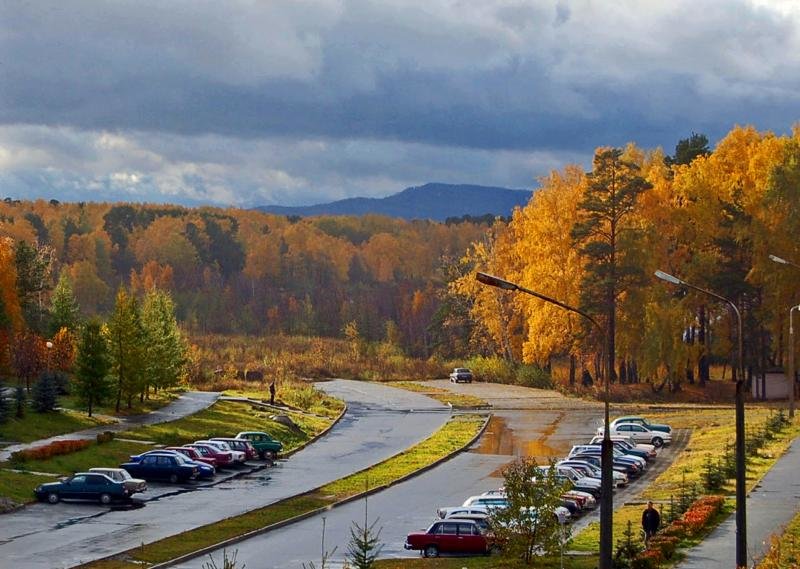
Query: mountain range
point(430, 201)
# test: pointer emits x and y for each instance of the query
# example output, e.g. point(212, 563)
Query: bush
point(105, 437)
point(666, 544)
point(20, 401)
point(5, 407)
point(534, 376)
point(45, 393)
point(55, 448)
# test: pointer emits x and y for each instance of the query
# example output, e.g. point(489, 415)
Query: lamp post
point(791, 374)
point(606, 453)
point(741, 490)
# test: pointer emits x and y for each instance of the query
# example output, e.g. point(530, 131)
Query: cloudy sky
point(304, 101)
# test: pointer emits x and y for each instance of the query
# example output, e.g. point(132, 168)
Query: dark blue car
point(162, 466)
point(205, 471)
point(83, 486)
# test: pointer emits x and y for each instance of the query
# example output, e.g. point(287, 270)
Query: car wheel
point(53, 498)
point(658, 442)
point(431, 551)
point(105, 499)
point(173, 478)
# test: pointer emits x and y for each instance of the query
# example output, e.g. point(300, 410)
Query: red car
point(195, 455)
point(242, 445)
point(449, 536)
point(209, 451)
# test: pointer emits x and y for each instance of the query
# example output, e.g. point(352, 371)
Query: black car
point(172, 468)
point(83, 486)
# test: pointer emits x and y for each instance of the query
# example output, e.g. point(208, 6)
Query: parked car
point(195, 455)
point(266, 446)
point(630, 469)
point(492, 501)
point(460, 374)
point(462, 511)
point(223, 458)
point(171, 467)
point(630, 443)
point(204, 471)
point(641, 421)
point(590, 469)
point(618, 456)
point(445, 536)
point(242, 445)
point(642, 434)
point(134, 485)
point(83, 486)
point(237, 456)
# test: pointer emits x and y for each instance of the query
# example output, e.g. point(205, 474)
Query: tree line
point(594, 240)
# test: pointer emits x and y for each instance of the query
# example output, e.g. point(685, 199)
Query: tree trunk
point(572, 369)
point(703, 374)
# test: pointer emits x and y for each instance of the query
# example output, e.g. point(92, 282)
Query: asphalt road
point(380, 422)
point(526, 422)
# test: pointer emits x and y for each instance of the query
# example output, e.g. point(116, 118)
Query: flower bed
point(55, 448)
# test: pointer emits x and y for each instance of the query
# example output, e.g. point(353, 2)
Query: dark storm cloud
point(194, 88)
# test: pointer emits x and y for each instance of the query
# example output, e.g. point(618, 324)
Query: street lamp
point(741, 491)
point(606, 453)
point(791, 373)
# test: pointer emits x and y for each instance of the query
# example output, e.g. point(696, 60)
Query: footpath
point(770, 506)
point(187, 404)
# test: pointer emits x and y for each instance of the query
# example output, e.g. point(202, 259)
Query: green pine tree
point(92, 364)
point(126, 342)
point(64, 311)
point(165, 346)
point(45, 393)
point(364, 546)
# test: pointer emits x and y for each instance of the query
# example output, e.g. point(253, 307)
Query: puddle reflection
point(499, 438)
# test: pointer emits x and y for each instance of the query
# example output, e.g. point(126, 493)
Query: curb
point(306, 515)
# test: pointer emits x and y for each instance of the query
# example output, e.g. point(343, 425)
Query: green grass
point(582, 562)
point(35, 426)
point(156, 401)
point(299, 395)
point(226, 418)
point(452, 436)
point(19, 486)
point(711, 430)
point(444, 395)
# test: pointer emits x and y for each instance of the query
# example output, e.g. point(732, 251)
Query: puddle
point(500, 439)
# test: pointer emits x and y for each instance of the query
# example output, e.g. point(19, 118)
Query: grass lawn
point(35, 426)
point(570, 562)
point(452, 436)
point(226, 418)
point(19, 486)
point(296, 394)
point(711, 430)
point(156, 401)
point(443, 395)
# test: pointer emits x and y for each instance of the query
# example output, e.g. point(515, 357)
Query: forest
point(590, 239)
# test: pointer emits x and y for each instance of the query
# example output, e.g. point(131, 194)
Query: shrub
point(666, 544)
point(534, 376)
point(105, 437)
point(20, 401)
point(649, 559)
point(55, 448)
point(5, 408)
point(701, 512)
point(45, 393)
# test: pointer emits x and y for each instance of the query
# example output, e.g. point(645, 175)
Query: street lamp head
point(777, 259)
point(669, 278)
point(495, 281)
point(48, 344)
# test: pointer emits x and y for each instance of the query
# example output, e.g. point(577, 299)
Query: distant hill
point(431, 201)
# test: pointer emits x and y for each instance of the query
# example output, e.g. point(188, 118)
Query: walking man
point(272, 393)
point(651, 520)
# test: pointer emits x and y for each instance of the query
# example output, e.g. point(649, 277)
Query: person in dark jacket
point(272, 393)
point(651, 520)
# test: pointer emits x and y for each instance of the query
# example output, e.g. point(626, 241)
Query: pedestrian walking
point(651, 520)
point(272, 393)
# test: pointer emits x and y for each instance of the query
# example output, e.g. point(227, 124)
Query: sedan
point(204, 471)
point(643, 422)
point(195, 456)
point(171, 467)
point(242, 445)
point(238, 456)
point(133, 485)
point(223, 458)
point(462, 536)
point(83, 486)
point(642, 434)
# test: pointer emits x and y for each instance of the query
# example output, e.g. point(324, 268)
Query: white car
point(497, 501)
point(132, 484)
point(641, 434)
point(455, 511)
point(236, 455)
point(630, 442)
point(620, 478)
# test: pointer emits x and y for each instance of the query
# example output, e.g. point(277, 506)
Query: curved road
point(380, 421)
point(526, 422)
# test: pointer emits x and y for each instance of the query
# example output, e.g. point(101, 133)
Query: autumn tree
point(126, 341)
point(605, 238)
point(64, 310)
point(92, 385)
point(29, 357)
point(688, 149)
point(33, 265)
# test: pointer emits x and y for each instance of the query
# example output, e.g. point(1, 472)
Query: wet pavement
point(525, 422)
point(187, 404)
point(380, 422)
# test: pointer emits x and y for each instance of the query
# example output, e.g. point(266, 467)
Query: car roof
point(100, 469)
